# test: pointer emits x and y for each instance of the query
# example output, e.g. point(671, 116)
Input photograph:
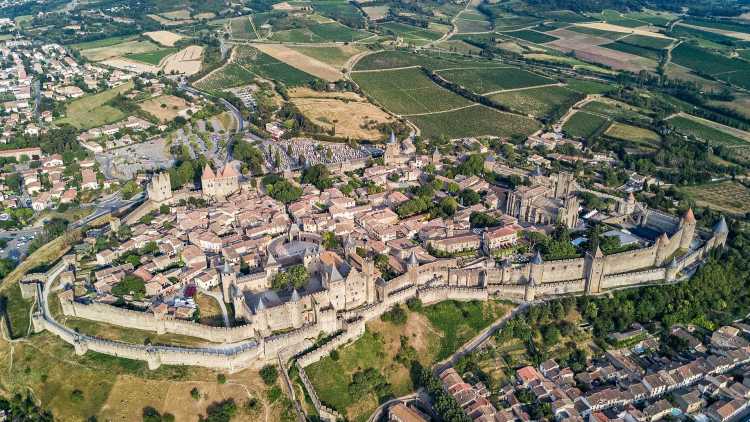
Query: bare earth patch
point(300, 61)
point(173, 107)
point(165, 38)
point(130, 65)
point(588, 48)
point(186, 61)
point(351, 119)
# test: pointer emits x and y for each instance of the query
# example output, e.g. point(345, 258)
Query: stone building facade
point(548, 200)
point(160, 188)
point(224, 182)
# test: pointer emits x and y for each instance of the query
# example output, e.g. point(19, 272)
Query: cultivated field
point(300, 61)
point(152, 57)
point(228, 76)
point(710, 131)
point(336, 56)
point(91, 111)
point(186, 61)
point(324, 32)
point(411, 33)
point(622, 29)
point(633, 133)
point(267, 67)
point(408, 91)
point(616, 110)
point(375, 12)
point(351, 116)
point(590, 48)
point(583, 125)
point(165, 38)
point(488, 80)
point(97, 54)
point(538, 102)
point(164, 107)
point(727, 196)
point(476, 120)
point(531, 36)
point(169, 22)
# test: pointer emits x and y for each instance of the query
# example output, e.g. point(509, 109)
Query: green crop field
point(509, 23)
point(91, 111)
point(703, 38)
point(634, 49)
point(652, 18)
point(407, 91)
point(532, 36)
point(474, 121)
point(494, 79)
point(400, 58)
point(104, 42)
point(616, 110)
point(613, 17)
point(267, 67)
point(719, 24)
point(566, 16)
point(324, 32)
point(588, 87)
point(539, 102)
point(409, 32)
point(228, 76)
point(584, 125)
point(152, 57)
point(691, 127)
point(647, 42)
point(597, 32)
point(721, 67)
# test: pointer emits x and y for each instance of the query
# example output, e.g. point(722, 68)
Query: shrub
point(269, 373)
point(221, 379)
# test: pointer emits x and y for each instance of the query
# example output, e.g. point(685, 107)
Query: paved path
point(479, 339)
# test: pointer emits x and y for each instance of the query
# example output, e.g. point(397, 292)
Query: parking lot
point(16, 243)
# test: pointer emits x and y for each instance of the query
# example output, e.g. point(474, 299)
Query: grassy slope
point(90, 111)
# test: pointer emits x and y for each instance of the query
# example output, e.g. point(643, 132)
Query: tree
point(195, 393)
point(469, 197)
point(317, 175)
point(221, 379)
point(269, 374)
point(152, 415)
point(329, 240)
point(448, 206)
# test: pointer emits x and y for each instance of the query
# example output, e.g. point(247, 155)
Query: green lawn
point(486, 80)
point(474, 121)
point(91, 111)
point(17, 310)
point(584, 125)
point(152, 57)
point(408, 91)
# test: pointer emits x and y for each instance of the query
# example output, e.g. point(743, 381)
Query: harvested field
point(351, 119)
point(633, 134)
point(300, 61)
point(130, 65)
point(336, 56)
point(727, 196)
point(165, 38)
point(588, 47)
point(375, 12)
point(172, 106)
point(118, 50)
point(186, 61)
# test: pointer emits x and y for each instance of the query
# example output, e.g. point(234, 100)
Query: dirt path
point(523, 88)
point(441, 111)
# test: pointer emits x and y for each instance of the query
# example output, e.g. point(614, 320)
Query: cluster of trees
point(24, 408)
point(130, 285)
point(295, 276)
point(369, 380)
point(250, 155)
point(318, 175)
point(555, 246)
point(281, 189)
